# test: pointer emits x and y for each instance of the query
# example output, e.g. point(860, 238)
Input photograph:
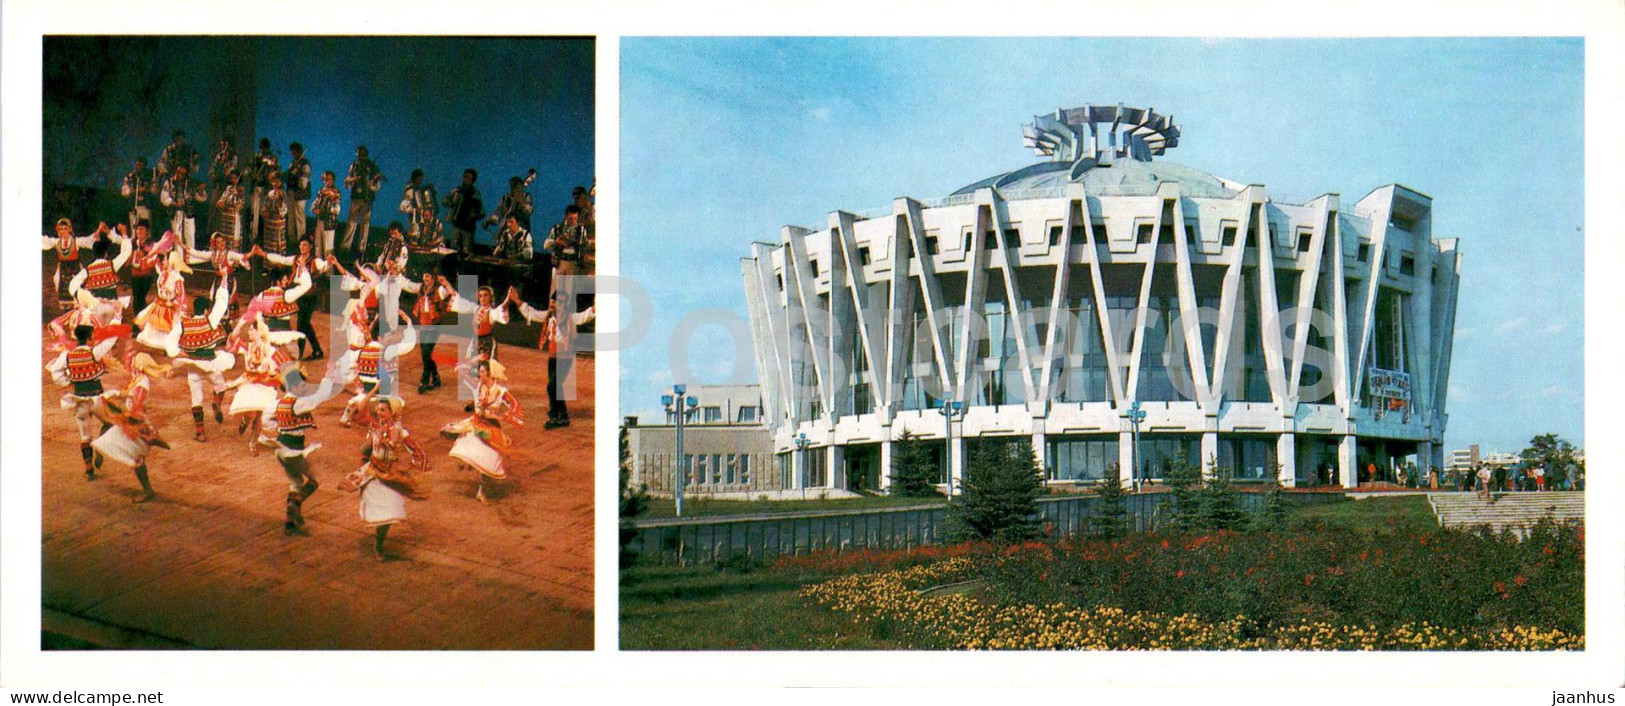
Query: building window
point(747, 414)
point(1407, 265)
point(1365, 252)
point(785, 465)
point(931, 245)
point(1081, 459)
point(780, 277)
point(716, 468)
point(816, 470)
point(1248, 458)
point(744, 469)
point(1100, 230)
point(1078, 236)
point(711, 415)
point(1012, 237)
point(1190, 232)
point(1229, 231)
point(696, 470)
point(1160, 451)
point(863, 255)
point(733, 468)
point(1055, 233)
point(1142, 233)
point(1305, 238)
point(813, 263)
point(990, 241)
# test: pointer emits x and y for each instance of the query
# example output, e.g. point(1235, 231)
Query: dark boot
point(378, 541)
point(197, 424)
point(296, 518)
point(219, 396)
point(89, 455)
point(146, 485)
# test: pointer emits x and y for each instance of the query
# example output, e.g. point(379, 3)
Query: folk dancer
point(363, 180)
point(376, 370)
point(163, 314)
point(278, 305)
point(312, 266)
point(139, 187)
point(297, 179)
point(228, 211)
point(129, 435)
point(196, 347)
point(294, 422)
point(516, 204)
point(100, 277)
point(480, 439)
point(67, 247)
point(144, 258)
point(326, 210)
point(420, 204)
point(390, 462)
point(223, 262)
point(464, 210)
point(181, 194)
point(261, 166)
point(486, 314)
point(254, 404)
point(81, 369)
point(430, 307)
point(513, 242)
point(558, 341)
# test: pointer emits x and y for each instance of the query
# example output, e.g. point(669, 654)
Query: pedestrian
point(1485, 476)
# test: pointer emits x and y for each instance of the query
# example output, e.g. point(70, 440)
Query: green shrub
point(914, 472)
point(1110, 519)
point(999, 498)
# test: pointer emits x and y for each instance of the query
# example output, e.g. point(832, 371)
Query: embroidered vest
point(198, 337)
point(482, 321)
point(287, 421)
point(281, 308)
point(366, 362)
point(101, 279)
point(68, 252)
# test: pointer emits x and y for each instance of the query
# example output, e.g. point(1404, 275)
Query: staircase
point(1508, 511)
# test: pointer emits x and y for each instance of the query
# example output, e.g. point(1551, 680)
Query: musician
point(297, 180)
point(178, 154)
point(326, 210)
point(262, 166)
point(221, 166)
point(228, 211)
point(582, 198)
point(516, 203)
point(67, 248)
point(138, 186)
point(275, 207)
point(465, 210)
point(395, 250)
point(420, 203)
point(182, 194)
point(567, 242)
point(364, 179)
point(513, 241)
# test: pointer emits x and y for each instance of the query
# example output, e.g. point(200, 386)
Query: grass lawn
point(1407, 513)
point(697, 507)
point(746, 608)
point(705, 608)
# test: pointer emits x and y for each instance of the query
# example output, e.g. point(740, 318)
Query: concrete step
point(1509, 511)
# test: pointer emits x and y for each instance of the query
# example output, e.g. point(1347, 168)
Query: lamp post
point(679, 404)
point(801, 455)
point(1135, 416)
point(950, 410)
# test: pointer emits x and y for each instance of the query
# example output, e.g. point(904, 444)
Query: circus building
point(1105, 300)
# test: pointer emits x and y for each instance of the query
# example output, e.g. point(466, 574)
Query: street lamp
point(1135, 416)
point(801, 455)
point(679, 404)
point(950, 410)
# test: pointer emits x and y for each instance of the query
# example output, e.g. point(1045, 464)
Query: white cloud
point(1465, 333)
point(1551, 391)
point(821, 113)
point(1555, 328)
point(1510, 325)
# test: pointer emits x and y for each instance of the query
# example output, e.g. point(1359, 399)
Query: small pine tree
point(1220, 506)
point(1111, 506)
point(634, 502)
point(1184, 481)
point(914, 471)
point(1000, 494)
point(1276, 511)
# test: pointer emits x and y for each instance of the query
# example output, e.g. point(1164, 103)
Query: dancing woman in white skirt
point(169, 296)
point(129, 436)
point(254, 405)
point(480, 440)
point(390, 458)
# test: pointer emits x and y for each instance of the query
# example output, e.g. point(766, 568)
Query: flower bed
point(1303, 591)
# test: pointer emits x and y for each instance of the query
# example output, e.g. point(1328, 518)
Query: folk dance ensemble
point(480, 439)
point(375, 367)
point(129, 436)
point(558, 341)
point(169, 295)
point(294, 422)
point(67, 247)
point(81, 370)
point(390, 462)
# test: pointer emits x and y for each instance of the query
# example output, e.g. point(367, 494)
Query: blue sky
point(723, 141)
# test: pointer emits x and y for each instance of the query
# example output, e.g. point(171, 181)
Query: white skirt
point(473, 450)
point(152, 338)
point(381, 504)
point(254, 397)
point(118, 445)
point(283, 338)
point(221, 362)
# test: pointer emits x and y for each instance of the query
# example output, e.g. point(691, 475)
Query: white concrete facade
point(1052, 298)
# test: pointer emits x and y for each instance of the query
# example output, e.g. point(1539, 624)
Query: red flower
point(1501, 587)
point(1309, 579)
point(1520, 580)
point(1164, 544)
point(1179, 574)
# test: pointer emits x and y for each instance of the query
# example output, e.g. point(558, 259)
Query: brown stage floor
point(206, 565)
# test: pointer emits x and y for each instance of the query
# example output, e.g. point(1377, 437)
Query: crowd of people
point(243, 342)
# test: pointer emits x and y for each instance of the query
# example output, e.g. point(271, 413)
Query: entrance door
point(863, 468)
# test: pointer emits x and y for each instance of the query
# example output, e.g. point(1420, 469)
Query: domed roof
point(1121, 177)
